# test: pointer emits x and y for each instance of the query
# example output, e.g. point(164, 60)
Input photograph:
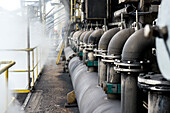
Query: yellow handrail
point(5, 69)
point(33, 68)
point(59, 55)
point(10, 63)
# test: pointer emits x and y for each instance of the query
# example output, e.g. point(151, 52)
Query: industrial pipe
point(125, 10)
point(115, 49)
point(81, 47)
point(103, 44)
point(85, 42)
point(76, 38)
point(69, 54)
point(158, 92)
point(90, 97)
point(114, 52)
point(136, 45)
point(93, 44)
point(95, 36)
point(130, 67)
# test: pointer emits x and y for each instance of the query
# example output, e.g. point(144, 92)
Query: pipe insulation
point(90, 97)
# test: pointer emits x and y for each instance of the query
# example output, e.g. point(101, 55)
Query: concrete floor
point(50, 92)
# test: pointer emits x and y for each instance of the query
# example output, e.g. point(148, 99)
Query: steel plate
point(163, 56)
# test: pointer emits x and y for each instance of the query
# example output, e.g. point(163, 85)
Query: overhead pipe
point(102, 48)
point(90, 97)
point(131, 64)
point(125, 10)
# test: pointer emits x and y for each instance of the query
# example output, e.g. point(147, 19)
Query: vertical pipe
point(102, 73)
point(71, 10)
point(44, 12)
point(40, 11)
point(33, 67)
point(129, 93)
point(28, 47)
point(37, 62)
point(74, 10)
point(107, 9)
point(137, 23)
point(6, 81)
point(158, 102)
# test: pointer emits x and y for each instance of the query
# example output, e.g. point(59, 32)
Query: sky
point(10, 4)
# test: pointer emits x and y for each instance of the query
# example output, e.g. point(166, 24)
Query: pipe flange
point(90, 47)
point(128, 66)
point(109, 58)
point(99, 52)
point(155, 82)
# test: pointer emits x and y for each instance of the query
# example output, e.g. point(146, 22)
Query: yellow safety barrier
point(60, 52)
point(75, 7)
point(5, 70)
point(30, 69)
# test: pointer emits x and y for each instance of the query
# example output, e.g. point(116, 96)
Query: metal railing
point(5, 70)
point(33, 57)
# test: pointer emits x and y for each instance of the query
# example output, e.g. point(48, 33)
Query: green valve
point(89, 63)
point(80, 53)
point(113, 88)
point(92, 63)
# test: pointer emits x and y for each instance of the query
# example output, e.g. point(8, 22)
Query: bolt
point(156, 31)
point(141, 62)
point(148, 31)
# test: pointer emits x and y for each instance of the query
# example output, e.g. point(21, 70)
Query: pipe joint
point(130, 67)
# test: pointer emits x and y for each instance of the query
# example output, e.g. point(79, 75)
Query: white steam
point(13, 35)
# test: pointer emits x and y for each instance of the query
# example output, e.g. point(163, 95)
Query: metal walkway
point(50, 92)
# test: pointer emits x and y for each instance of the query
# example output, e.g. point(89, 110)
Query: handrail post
point(33, 67)
point(6, 83)
point(28, 47)
point(37, 61)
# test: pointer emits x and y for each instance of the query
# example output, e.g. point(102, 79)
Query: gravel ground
point(51, 90)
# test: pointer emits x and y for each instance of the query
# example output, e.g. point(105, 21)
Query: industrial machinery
point(118, 55)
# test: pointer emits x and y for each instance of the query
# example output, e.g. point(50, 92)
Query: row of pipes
point(115, 71)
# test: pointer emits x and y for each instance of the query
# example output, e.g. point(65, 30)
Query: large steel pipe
point(90, 97)
point(69, 53)
point(158, 92)
point(115, 49)
point(114, 52)
point(103, 45)
point(132, 54)
point(93, 44)
point(85, 41)
point(81, 47)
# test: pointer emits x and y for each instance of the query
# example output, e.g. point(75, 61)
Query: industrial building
point(85, 56)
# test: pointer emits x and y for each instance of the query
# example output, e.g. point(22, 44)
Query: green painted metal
point(113, 88)
point(80, 53)
point(92, 63)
